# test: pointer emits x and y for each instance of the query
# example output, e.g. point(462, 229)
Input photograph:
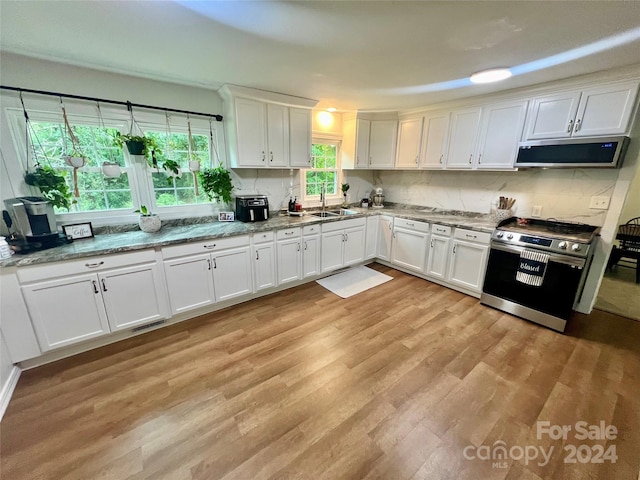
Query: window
point(324, 170)
point(97, 192)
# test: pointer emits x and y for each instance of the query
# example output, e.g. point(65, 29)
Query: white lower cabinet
point(410, 244)
point(199, 279)
point(264, 261)
point(371, 240)
point(468, 259)
point(385, 236)
point(71, 307)
point(310, 251)
point(289, 255)
point(342, 244)
point(439, 252)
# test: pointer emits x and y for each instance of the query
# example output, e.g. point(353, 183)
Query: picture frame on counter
point(78, 231)
point(226, 216)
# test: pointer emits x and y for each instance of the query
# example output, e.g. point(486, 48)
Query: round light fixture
point(491, 75)
point(331, 109)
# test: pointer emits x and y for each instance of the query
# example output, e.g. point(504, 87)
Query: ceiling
point(367, 55)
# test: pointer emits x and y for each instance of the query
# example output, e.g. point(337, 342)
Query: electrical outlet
point(599, 203)
point(536, 211)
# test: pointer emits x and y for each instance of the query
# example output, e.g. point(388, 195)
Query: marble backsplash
point(562, 194)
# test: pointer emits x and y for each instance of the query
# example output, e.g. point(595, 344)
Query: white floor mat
point(353, 281)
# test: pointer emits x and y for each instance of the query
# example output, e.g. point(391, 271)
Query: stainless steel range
point(537, 268)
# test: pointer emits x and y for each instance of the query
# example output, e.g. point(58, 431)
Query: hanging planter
point(76, 159)
point(111, 169)
point(194, 161)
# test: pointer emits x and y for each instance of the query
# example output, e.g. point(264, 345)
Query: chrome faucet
point(323, 195)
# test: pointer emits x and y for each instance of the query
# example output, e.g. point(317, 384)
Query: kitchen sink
point(334, 213)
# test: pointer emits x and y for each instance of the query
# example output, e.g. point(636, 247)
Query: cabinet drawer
point(472, 236)
point(311, 230)
point(288, 233)
point(263, 237)
point(441, 229)
point(213, 245)
point(411, 225)
point(344, 224)
point(83, 265)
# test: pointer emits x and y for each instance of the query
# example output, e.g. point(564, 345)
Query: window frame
point(13, 155)
point(314, 200)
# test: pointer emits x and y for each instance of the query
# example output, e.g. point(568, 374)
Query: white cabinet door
point(299, 137)
point(232, 273)
point(331, 256)
point(552, 116)
point(133, 296)
point(278, 135)
point(409, 140)
point(251, 132)
point(264, 266)
point(353, 249)
point(605, 110)
point(382, 143)
point(311, 256)
point(385, 234)
point(363, 131)
point(500, 132)
point(289, 260)
point(409, 249)
point(66, 311)
point(371, 241)
point(464, 134)
point(438, 257)
point(190, 282)
point(435, 136)
point(468, 263)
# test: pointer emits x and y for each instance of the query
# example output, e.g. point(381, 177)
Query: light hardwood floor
point(395, 383)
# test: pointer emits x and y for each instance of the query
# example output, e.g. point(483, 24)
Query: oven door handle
point(553, 257)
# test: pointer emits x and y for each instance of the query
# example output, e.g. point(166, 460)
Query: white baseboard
point(8, 388)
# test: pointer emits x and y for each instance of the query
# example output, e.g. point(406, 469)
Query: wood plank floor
point(408, 380)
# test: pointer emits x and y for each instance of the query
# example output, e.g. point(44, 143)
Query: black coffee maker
point(32, 224)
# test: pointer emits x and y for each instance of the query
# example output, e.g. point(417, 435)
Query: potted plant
point(148, 222)
point(111, 169)
point(172, 169)
point(51, 184)
point(136, 144)
point(217, 184)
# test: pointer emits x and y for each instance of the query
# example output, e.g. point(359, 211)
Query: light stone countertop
point(110, 243)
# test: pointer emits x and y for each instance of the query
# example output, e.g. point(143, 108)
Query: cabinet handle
point(577, 127)
point(257, 255)
point(480, 158)
point(305, 245)
point(570, 127)
point(95, 286)
point(289, 233)
point(263, 156)
point(215, 265)
point(271, 156)
point(454, 248)
point(471, 236)
point(470, 158)
point(370, 160)
point(417, 156)
point(298, 246)
point(104, 286)
point(411, 224)
point(432, 243)
point(389, 225)
point(393, 234)
point(210, 246)
point(346, 237)
point(209, 263)
point(441, 157)
point(93, 265)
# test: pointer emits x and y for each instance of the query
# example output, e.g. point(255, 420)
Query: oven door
point(551, 301)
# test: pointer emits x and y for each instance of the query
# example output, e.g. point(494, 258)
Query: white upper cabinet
point(409, 140)
point(300, 137)
point(501, 127)
point(434, 144)
point(600, 110)
point(266, 129)
point(382, 143)
point(465, 125)
point(362, 136)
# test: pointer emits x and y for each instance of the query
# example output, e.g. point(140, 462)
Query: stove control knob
point(576, 247)
point(500, 234)
point(563, 245)
point(510, 236)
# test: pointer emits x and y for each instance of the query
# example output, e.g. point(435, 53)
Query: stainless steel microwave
point(599, 152)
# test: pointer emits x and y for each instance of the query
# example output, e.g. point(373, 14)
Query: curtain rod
point(127, 104)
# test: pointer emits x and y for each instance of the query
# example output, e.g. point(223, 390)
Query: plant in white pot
point(149, 222)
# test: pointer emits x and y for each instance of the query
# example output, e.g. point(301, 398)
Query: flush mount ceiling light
point(491, 75)
point(331, 109)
